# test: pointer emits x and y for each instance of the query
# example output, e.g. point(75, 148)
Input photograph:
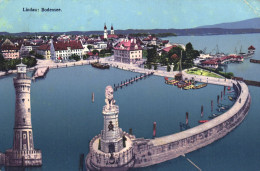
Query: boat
point(229, 88)
point(200, 86)
point(230, 98)
point(203, 121)
point(188, 87)
point(213, 116)
point(99, 65)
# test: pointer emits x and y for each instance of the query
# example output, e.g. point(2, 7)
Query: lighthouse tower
point(111, 135)
point(23, 152)
point(105, 31)
point(112, 29)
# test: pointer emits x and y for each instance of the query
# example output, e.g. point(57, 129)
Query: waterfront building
point(209, 64)
point(62, 50)
point(23, 152)
point(128, 51)
point(113, 147)
point(10, 50)
point(25, 49)
point(44, 50)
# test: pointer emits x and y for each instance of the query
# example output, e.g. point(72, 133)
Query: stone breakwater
point(154, 151)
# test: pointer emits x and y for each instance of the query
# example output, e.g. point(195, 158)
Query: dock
point(40, 72)
point(130, 81)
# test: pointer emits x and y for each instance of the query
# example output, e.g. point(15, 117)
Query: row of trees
point(10, 64)
point(173, 56)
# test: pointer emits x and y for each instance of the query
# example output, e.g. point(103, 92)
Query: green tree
point(29, 61)
point(151, 53)
point(74, 57)
point(155, 67)
point(32, 52)
point(85, 57)
point(89, 47)
point(38, 56)
point(95, 51)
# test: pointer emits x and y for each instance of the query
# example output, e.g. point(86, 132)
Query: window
point(29, 110)
point(23, 100)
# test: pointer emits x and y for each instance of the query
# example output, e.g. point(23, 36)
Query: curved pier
point(154, 151)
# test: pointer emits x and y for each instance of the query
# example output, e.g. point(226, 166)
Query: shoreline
point(126, 67)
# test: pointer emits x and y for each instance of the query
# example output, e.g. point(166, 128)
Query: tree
point(29, 61)
point(89, 47)
point(95, 51)
point(32, 52)
point(75, 57)
point(38, 56)
point(151, 53)
point(85, 57)
point(155, 67)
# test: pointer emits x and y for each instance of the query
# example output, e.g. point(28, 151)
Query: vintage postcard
point(129, 85)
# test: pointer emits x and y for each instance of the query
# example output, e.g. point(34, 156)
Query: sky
point(90, 15)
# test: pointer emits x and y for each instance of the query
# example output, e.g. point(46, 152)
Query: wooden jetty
point(40, 72)
point(130, 81)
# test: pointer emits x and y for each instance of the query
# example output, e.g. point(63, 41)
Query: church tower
point(105, 31)
point(111, 135)
point(23, 152)
point(112, 29)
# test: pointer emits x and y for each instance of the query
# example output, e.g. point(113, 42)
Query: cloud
point(5, 25)
point(96, 12)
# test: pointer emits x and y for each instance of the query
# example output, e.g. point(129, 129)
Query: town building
point(10, 50)
point(128, 51)
point(44, 50)
point(62, 50)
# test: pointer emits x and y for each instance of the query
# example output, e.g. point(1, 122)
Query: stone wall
point(150, 152)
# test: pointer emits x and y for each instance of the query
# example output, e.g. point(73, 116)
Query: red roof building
point(44, 50)
point(128, 51)
point(167, 49)
point(65, 49)
point(10, 51)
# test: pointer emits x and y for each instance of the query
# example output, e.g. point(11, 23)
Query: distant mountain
point(239, 27)
point(253, 23)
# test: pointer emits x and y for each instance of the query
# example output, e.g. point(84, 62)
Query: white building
point(128, 51)
point(62, 50)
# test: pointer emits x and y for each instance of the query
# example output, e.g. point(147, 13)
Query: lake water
point(65, 120)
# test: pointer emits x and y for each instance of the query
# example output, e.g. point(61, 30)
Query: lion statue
point(109, 94)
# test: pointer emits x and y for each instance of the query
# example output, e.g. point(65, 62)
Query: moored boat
point(203, 121)
point(99, 65)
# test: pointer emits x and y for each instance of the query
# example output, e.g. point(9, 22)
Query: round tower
point(105, 31)
point(112, 29)
point(23, 152)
